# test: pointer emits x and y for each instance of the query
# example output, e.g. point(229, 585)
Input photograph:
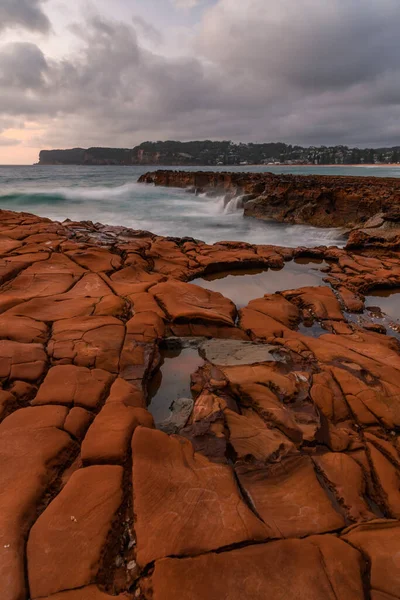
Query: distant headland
point(211, 153)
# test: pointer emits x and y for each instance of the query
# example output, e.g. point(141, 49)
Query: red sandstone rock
point(23, 391)
point(183, 503)
point(126, 393)
point(60, 307)
point(187, 302)
point(66, 544)
point(346, 478)
point(78, 422)
point(263, 327)
point(284, 493)
point(7, 403)
point(318, 568)
point(145, 327)
point(208, 330)
point(8, 245)
point(278, 308)
point(145, 302)
point(368, 400)
point(97, 259)
point(168, 259)
point(108, 439)
point(273, 395)
point(36, 417)
point(273, 421)
point(30, 460)
point(351, 301)
point(380, 542)
point(22, 329)
point(126, 280)
point(387, 477)
point(321, 301)
point(88, 342)
point(21, 361)
point(220, 257)
point(74, 386)
point(138, 360)
point(45, 278)
point(90, 592)
point(329, 398)
point(250, 436)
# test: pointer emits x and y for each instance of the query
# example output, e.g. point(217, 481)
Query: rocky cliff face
point(91, 156)
point(322, 201)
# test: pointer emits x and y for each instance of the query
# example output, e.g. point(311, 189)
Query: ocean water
point(111, 195)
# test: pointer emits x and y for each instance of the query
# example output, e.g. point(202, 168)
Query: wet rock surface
point(277, 472)
point(369, 204)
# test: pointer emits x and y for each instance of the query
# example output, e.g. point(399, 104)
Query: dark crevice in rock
point(118, 568)
point(245, 496)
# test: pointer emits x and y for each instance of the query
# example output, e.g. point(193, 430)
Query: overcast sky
point(119, 72)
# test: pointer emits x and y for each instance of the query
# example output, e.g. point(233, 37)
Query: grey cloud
point(148, 30)
point(22, 65)
point(186, 4)
point(23, 13)
point(313, 44)
point(286, 71)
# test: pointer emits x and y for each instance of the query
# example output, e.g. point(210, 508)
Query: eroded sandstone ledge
point(284, 480)
point(323, 201)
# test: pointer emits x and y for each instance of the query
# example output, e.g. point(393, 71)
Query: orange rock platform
point(283, 483)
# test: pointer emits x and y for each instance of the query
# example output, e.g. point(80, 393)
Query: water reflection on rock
point(243, 286)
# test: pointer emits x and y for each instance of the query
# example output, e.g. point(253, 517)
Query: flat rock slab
point(186, 302)
point(183, 503)
point(278, 308)
point(35, 417)
point(91, 592)
point(380, 542)
point(289, 498)
point(43, 278)
point(232, 352)
point(93, 342)
point(21, 361)
point(321, 301)
point(74, 386)
point(97, 259)
point(345, 476)
point(318, 568)
point(30, 461)
point(66, 544)
point(56, 308)
point(22, 329)
point(108, 439)
point(250, 436)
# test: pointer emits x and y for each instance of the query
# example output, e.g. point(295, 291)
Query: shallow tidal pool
point(242, 286)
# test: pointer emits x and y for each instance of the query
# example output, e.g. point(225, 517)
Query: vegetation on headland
point(220, 153)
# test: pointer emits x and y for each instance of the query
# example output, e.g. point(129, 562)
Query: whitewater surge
point(112, 196)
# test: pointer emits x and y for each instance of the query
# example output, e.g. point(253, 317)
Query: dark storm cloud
point(304, 71)
point(22, 65)
point(23, 13)
point(319, 44)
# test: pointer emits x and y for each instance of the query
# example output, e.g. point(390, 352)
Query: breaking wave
point(106, 197)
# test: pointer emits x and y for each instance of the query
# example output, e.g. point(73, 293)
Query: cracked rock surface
point(280, 478)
